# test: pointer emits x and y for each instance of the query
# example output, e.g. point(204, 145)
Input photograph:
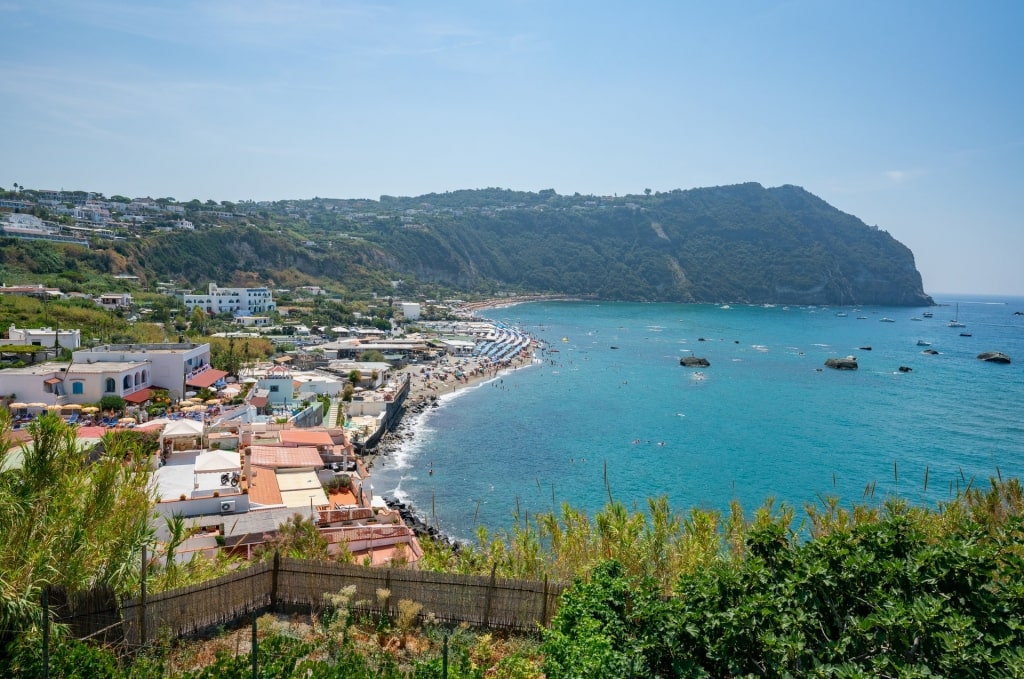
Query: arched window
point(137, 379)
point(111, 385)
point(145, 378)
point(127, 381)
point(77, 388)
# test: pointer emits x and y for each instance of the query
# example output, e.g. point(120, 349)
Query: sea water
point(606, 410)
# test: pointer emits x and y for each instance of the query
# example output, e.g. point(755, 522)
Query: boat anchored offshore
point(955, 323)
point(923, 343)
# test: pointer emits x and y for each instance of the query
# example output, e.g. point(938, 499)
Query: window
point(274, 388)
point(111, 385)
point(127, 381)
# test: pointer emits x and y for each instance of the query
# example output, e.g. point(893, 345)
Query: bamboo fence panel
point(187, 610)
point(477, 600)
point(92, 613)
point(303, 582)
point(483, 601)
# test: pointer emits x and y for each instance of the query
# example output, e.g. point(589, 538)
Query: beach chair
point(73, 419)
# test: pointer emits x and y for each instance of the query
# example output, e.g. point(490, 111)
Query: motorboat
point(923, 343)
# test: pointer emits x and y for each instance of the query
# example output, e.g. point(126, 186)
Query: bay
point(607, 410)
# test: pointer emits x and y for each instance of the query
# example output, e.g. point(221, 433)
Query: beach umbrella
point(90, 409)
point(54, 408)
point(19, 406)
point(213, 402)
point(36, 405)
point(126, 420)
point(72, 406)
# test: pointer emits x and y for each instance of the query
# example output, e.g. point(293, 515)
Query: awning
point(206, 379)
point(258, 401)
point(140, 396)
point(53, 380)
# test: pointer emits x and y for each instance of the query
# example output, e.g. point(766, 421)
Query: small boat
point(927, 314)
point(955, 323)
point(915, 318)
point(922, 343)
point(966, 334)
point(886, 319)
point(841, 314)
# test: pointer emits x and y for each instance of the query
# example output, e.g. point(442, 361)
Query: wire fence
point(480, 601)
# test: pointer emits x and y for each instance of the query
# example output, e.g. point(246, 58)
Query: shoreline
point(428, 384)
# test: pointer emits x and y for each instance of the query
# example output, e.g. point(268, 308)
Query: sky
point(909, 114)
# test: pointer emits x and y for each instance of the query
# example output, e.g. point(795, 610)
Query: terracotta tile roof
point(140, 396)
point(281, 456)
point(206, 378)
point(263, 489)
point(306, 437)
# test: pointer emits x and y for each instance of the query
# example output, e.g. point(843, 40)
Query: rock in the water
point(865, 348)
point(930, 352)
point(848, 363)
point(994, 357)
point(905, 369)
point(694, 362)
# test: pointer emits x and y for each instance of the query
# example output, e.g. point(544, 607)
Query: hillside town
point(241, 454)
point(84, 217)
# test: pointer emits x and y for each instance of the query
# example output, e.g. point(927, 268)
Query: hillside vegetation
point(742, 243)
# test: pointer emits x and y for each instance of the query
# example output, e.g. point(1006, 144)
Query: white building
point(235, 301)
point(130, 371)
point(411, 310)
point(43, 337)
point(115, 300)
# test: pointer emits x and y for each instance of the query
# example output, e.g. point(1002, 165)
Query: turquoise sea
point(766, 419)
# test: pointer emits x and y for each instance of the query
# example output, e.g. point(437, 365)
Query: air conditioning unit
point(227, 506)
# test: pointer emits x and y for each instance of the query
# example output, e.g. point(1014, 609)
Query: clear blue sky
point(908, 114)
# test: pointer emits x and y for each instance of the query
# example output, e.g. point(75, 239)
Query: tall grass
point(66, 521)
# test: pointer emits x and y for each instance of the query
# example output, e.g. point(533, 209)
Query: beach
point(428, 382)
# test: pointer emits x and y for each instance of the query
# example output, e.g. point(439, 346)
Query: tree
point(69, 520)
point(198, 321)
point(298, 538)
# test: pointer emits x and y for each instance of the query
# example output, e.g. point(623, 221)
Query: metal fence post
point(255, 647)
point(46, 632)
point(142, 601)
point(444, 659)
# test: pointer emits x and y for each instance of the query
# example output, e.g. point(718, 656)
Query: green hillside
point(741, 243)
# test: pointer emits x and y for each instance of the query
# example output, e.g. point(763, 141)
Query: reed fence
point(480, 601)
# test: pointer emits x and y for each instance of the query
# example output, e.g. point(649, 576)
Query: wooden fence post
point(273, 581)
point(544, 604)
point(490, 594)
